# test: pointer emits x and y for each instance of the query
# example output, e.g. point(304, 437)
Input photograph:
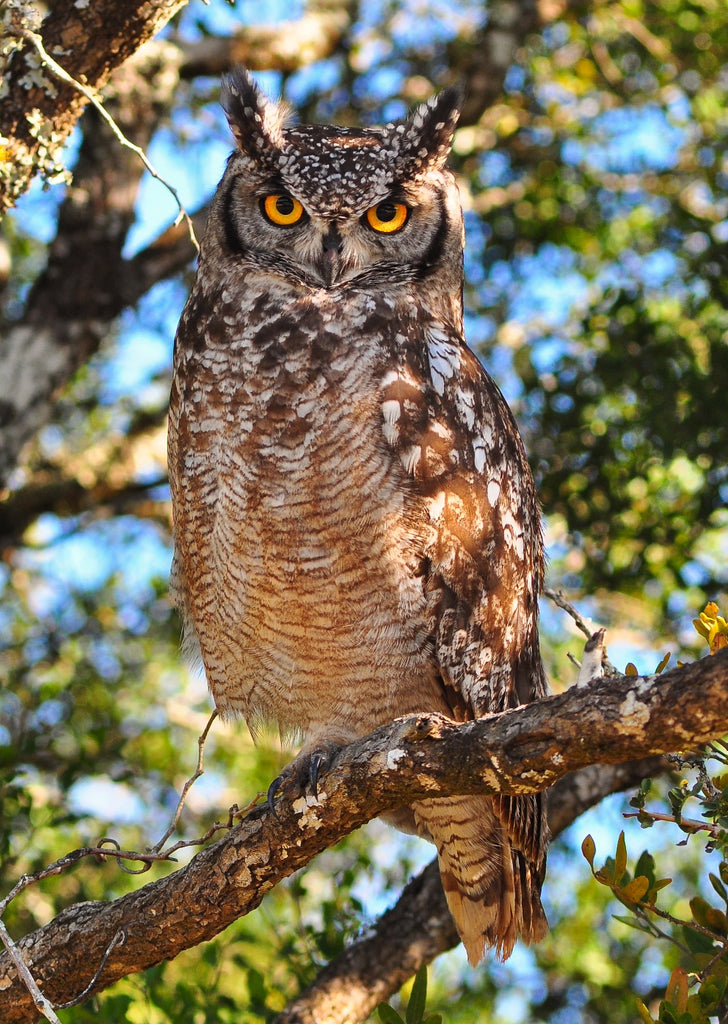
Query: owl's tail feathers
point(492, 890)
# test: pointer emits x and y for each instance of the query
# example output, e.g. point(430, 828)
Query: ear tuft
point(423, 141)
point(255, 121)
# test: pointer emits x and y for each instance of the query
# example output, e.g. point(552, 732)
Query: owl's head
point(330, 207)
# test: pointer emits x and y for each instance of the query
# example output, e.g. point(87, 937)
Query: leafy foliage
point(415, 1012)
point(702, 937)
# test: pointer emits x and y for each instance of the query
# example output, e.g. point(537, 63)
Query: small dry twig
point(118, 940)
point(101, 850)
point(53, 66)
point(40, 1002)
point(557, 596)
point(199, 770)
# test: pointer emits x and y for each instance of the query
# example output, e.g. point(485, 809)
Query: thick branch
point(74, 302)
point(521, 751)
point(94, 39)
point(280, 46)
point(102, 480)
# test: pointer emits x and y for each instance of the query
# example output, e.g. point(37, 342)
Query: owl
point(357, 535)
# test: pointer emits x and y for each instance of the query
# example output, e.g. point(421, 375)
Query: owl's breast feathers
point(296, 533)
point(357, 538)
point(310, 433)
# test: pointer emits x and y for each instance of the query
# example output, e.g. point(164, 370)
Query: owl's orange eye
point(387, 217)
point(281, 209)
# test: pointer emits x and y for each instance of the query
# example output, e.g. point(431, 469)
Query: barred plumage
point(357, 535)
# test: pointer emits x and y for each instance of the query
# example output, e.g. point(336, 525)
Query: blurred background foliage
point(594, 183)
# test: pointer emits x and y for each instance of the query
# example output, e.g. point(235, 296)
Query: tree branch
point(94, 40)
point(74, 302)
point(282, 46)
point(87, 483)
point(521, 751)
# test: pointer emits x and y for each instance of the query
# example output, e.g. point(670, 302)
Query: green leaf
point(667, 1014)
point(645, 866)
point(388, 1015)
point(718, 886)
point(677, 799)
point(620, 858)
point(633, 922)
point(712, 992)
point(707, 916)
point(644, 1013)
point(588, 849)
point(696, 941)
point(418, 998)
point(661, 883)
point(663, 664)
point(634, 890)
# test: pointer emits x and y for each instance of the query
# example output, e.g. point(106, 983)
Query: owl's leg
point(301, 776)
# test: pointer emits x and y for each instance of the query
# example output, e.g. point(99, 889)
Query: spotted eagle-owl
point(356, 531)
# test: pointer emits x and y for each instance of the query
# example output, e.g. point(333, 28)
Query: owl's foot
point(301, 776)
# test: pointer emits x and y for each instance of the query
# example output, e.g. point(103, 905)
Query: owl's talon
point(301, 776)
point(321, 759)
point(271, 794)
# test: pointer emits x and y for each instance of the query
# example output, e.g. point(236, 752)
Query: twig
point(43, 1005)
point(234, 813)
point(72, 858)
point(40, 1002)
point(199, 770)
point(100, 850)
point(711, 964)
point(658, 933)
point(557, 596)
point(61, 73)
point(118, 940)
point(689, 824)
point(677, 922)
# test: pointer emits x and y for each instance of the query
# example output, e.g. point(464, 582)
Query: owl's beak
point(331, 260)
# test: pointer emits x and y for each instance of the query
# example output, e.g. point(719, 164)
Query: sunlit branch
point(59, 72)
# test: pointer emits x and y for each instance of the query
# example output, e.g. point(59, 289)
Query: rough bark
point(91, 40)
point(86, 282)
point(528, 749)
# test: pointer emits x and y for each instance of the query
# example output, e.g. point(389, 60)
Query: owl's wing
point(448, 423)
point(456, 438)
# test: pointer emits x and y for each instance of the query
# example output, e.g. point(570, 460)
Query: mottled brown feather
point(357, 535)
